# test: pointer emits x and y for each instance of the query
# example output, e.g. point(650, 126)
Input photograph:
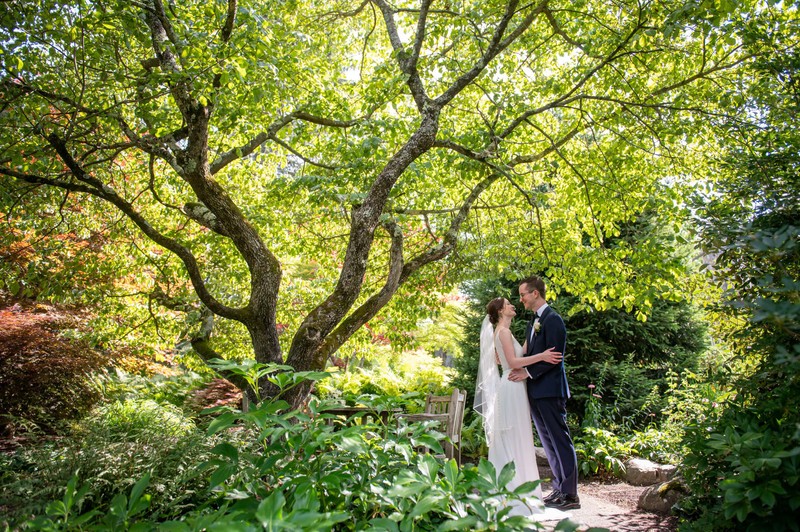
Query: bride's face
point(508, 309)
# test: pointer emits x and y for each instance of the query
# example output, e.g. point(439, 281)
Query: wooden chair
point(448, 410)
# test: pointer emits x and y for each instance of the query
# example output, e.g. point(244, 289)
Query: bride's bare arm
point(551, 356)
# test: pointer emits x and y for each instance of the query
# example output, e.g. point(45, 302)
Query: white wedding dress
point(513, 439)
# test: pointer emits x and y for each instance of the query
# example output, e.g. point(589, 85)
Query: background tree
point(242, 136)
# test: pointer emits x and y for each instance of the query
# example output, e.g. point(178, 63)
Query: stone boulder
point(543, 464)
point(641, 472)
point(660, 498)
point(541, 457)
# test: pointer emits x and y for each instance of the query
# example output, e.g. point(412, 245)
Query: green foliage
point(163, 389)
point(302, 470)
point(369, 474)
point(109, 451)
point(442, 334)
point(743, 465)
point(473, 440)
point(65, 514)
point(466, 365)
point(690, 399)
point(414, 373)
point(134, 420)
point(67, 511)
point(657, 444)
point(743, 459)
point(631, 359)
point(601, 453)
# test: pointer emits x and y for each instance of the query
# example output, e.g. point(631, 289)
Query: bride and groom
point(533, 385)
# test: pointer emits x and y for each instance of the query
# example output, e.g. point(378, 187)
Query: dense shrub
point(601, 453)
point(743, 463)
point(166, 387)
point(109, 450)
point(414, 373)
point(134, 420)
point(286, 469)
point(473, 440)
point(45, 377)
point(690, 397)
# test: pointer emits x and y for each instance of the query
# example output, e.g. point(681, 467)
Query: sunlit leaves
point(588, 120)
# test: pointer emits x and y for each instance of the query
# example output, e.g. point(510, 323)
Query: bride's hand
point(550, 356)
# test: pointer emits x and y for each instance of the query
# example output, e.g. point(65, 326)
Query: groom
point(548, 392)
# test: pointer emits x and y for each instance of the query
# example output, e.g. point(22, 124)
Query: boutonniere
point(537, 327)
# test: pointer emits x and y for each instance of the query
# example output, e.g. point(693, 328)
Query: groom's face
point(528, 297)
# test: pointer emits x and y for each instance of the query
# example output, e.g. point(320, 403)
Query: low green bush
point(744, 466)
point(601, 453)
point(134, 420)
point(285, 469)
point(656, 445)
point(110, 450)
point(688, 398)
point(417, 375)
point(473, 439)
point(163, 389)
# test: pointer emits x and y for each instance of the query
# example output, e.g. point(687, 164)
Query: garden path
point(613, 506)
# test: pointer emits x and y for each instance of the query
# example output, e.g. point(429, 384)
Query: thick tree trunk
point(306, 352)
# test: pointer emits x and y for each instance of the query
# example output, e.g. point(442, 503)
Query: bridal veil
point(488, 380)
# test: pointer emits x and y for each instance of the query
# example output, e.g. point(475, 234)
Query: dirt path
point(613, 506)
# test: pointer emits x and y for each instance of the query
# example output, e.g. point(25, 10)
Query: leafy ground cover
point(141, 464)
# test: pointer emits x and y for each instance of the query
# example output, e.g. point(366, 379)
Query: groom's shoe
point(565, 502)
point(555, 494)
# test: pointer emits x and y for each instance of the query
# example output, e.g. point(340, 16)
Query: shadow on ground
point(613, 506)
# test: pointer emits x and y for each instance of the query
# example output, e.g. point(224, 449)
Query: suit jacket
point(547, 380)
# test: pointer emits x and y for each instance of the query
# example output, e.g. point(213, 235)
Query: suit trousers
point(550, 417)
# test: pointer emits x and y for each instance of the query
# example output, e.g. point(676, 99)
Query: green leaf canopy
point(304, 162)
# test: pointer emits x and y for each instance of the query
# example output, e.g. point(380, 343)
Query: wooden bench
point(448, 411)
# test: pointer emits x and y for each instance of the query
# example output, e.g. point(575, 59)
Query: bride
point(504, 404)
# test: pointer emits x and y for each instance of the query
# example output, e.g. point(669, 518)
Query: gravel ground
point(613, 506)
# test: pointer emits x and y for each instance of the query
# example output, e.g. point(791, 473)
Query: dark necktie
point(533, 326)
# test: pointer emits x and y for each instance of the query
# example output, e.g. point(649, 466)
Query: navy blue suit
point(548, 392)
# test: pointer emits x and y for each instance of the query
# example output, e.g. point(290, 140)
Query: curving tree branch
point(230, 20)
point(272, 134)
point(420, 35)
point(406, 61)
point(96, 188)
point(400, 272)
point(499, 42)
point(369, 308)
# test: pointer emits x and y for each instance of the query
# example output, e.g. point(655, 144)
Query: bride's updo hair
point(493, 309)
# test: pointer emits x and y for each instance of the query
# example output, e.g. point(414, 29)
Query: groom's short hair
point(535, 282)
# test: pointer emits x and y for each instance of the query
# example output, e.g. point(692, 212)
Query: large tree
point(358, 137)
